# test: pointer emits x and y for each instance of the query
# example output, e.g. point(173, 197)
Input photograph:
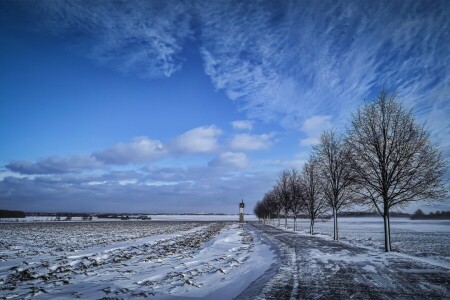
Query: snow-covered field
point(428, 240)
point(176, 257)
point(91, 260)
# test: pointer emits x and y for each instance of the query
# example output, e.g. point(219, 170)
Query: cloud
point(165, 174)
point(143, 38)
point(275, 60)
point(197, 140)
point(280, 64)
point(230, 160)
point(141, 149)
point(56, 165)
point(247, 142)
point(200, 140)
point(242, 125)
point(216, 187)
point(313, 127)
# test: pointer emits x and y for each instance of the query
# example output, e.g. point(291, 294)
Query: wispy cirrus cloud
point(282, 62)
point(284, 65)
point(143, 38)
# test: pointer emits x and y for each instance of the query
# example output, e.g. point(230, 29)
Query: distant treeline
point(59, 214)
point(123, 217)
point(115, 215)
point(439, 215)
point(11, 214)
point(371, 214)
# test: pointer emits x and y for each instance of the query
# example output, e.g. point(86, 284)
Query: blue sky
point(189, 106)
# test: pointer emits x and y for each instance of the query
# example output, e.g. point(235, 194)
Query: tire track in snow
point(315, 268)
point(282, 282)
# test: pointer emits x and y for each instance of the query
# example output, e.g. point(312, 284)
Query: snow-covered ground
point(91, 260)
point(427, 240)
point(316, 267)
point(204, 256)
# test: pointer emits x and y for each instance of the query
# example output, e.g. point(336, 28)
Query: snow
point(422, 240)
point(178, 257)
point(129, 259)
point(327, 269)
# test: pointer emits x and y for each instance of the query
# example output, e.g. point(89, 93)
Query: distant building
point(241, 211)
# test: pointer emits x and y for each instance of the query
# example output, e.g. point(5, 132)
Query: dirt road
point(316, 268)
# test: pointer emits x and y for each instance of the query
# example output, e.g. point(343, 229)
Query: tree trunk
point(335, 225)
point(389, 231)
point(387, 242)
point(285, 219)
point(311, 227)
point(337, 228)
point(278, 215)
point(295, 223)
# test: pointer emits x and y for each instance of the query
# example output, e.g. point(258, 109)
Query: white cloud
point(242, 125)
point(197, 140)
point(313, 128)
point(141, 149)
point(230, 160)
point(249, 142)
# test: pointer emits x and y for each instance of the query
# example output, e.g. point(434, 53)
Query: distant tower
point(241, 211)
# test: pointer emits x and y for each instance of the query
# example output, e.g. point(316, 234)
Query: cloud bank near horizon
point(138, 169)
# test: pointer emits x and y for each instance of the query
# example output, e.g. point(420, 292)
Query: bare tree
point(271, 204)
point(282, 190)
point(333, 159)
point(262, 210)
point(258, 210)
point(275, 203)
point(314, 201)
point(295, 192)
point(394, 161)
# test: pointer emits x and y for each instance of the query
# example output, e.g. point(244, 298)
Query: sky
point(191, 106)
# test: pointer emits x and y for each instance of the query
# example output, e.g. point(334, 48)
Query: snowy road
point(316, 268)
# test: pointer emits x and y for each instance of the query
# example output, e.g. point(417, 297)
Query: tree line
point(384, 160)
point(11, 213)
point(438, 215)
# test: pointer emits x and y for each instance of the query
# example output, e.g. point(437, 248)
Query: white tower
point(241, 211)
